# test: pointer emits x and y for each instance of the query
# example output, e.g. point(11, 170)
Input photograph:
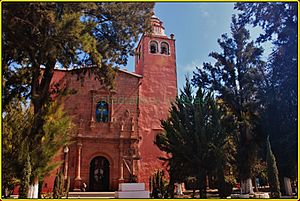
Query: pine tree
point(193, 137)
point(235, 78)
point(272, 172)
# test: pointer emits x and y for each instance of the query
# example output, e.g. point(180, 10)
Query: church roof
point(121, 70)
point(130, 73)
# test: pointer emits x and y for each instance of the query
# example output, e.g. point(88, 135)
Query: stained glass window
point(102, 111)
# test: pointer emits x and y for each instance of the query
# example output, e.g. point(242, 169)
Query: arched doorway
point(99, 174)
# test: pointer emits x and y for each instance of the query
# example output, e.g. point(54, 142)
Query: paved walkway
point(89, 195)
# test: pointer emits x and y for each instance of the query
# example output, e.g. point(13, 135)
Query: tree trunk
point(221, 183)
point(30, 191)
point(40, 188)
point(202, 185)
point(246, 186)
point(194, 192)
point(24, 189)
point(34, 189)
point(207, 181)
point(287, 186)
point(171, 185)
point(40, 96)
point(255, 186)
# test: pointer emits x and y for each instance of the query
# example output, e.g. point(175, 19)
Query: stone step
point(132, 194)
point(91, 195)
point(132, 187)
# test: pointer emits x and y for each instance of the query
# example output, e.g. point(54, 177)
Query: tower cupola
point(157, 26)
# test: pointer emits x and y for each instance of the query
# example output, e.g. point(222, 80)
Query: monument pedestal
point(77, 185)
point(132, 190)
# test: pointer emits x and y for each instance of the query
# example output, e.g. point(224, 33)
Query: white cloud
point(189, 68)
point(203, 12)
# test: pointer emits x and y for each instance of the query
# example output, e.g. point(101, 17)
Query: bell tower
point(155, 47)
point(155, 60)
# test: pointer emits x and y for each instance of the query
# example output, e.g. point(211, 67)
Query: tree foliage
point(23, 164)
point(15, 158)
point(59, 131)
point(66, 34)
point(236, 78)
point(76, 34)
point(61, 186)
point(279, 22)
point(158, 185)
point(272, 172)
point(24, 187)
point(195, 138)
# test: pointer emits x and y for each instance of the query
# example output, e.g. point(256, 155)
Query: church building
point(117, 127)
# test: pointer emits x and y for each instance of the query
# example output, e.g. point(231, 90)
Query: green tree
point(272, 172)
point(20, 163)
point(279, 22)
point(158, 185)
point(61, 186)
point(26, 173)
point(171, 141)
point(236, 79)
point(70, 35)
point(58, 131)
point(16, 161)
point(194, 138)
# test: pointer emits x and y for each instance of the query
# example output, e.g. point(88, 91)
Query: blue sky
point(196, 27)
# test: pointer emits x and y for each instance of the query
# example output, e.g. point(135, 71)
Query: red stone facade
point(108, 149)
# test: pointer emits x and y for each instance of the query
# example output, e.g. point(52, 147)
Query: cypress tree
point(272, 172)
point(24, 188)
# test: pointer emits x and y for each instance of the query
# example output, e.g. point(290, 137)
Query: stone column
point(66, 161)
point(93, 109)
point(111, 113)
point(136, 159)
point(92, 104)
point(121, 147)
point(77, 184)
point(112, 100)
point(132, 125)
